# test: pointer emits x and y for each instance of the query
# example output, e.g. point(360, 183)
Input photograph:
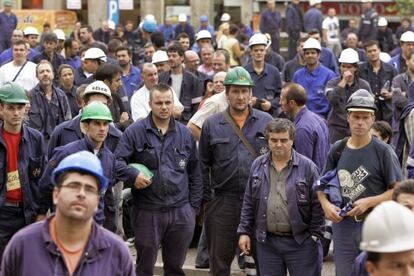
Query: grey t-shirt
point(177, 80)
point(367, 171)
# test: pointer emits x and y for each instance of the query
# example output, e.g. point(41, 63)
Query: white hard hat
point(98, 87)
point(182, 17)
point(203, 34)
point(60, 34)
point(388, 228)
point(259, 39)
point(366, 1)
point(225, 17)
point(149, 17)
point(312, 43)
point(382, 22)
point(95, 53)
point(30, 31)
point(408, 36)
point(159, 56)
point(111, 24)
point(314, 2)
point(349, 56)
point(384, 57)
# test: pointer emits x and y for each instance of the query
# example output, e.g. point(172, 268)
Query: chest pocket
point(261, 144)
point(270, 93)
point(302, 193)
point(221, 148)
point(256, 186)
point(147, 156)
point(35, 167)
point(181, 157)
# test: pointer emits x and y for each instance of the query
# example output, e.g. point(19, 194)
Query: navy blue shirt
point(312, 137)
point(104, 254)
point(44, 115)
point(305, 212)
point(70, 131)
point(31, 163)
point(173, 159)
point(313, 20)
point(225, 160)
point(131, 82)
point(267, 86)
point(314, 84)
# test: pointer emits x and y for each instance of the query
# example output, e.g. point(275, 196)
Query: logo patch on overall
point(263, 150)
point(182, 163)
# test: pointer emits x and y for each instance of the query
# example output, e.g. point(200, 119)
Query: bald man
point(215, 104)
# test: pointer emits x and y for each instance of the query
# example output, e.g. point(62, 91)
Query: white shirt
point(215, 104)
point(140, 104)
point(331, 25)
point(27, 77)
point(176, 82)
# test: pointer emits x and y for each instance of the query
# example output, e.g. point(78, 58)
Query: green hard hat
point(238, 76)
point(143, 169)
point(96, 111)
point(13, 93)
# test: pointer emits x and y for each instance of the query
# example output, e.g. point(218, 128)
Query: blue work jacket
point(112, 169)
point(131, 81)
point(314, 84)
point(225, 160)
point(267, 86)
point(305, 212)
point(70, 131)
point(31, 163)
point(104, 254)
point(312, 137)
point(172, 158)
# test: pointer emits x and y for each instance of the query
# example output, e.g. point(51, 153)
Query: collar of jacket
point(95, 244)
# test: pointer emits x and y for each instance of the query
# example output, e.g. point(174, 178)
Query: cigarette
point(241, 254)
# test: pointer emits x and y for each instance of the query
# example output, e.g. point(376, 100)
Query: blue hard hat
point(83, 161)
point(203, 18)
point(150, 26)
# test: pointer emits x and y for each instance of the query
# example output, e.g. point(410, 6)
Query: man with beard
point(131, 75)
point(71, 48)
point(48, 104)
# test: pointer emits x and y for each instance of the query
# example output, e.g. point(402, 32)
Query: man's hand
point(266, 105)
point(253, 101)
point(124, 117)
point(177, 112)
point(142, 181)
point(40, 217)
point(386, 94)
point(359, 207)
point(331, 211)
point(244, 244)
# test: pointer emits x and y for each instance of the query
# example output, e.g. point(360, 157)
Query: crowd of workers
point(146, 131)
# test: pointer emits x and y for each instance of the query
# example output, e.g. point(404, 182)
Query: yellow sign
point(61, 19)
point(13, 181)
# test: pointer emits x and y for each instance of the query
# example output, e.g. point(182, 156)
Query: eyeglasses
point(76, 187)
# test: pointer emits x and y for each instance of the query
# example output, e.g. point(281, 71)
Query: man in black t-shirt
point(367, 170)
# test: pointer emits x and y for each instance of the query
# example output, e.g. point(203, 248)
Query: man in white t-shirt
point(19, 70)
point(140, 99)
point(330, 29)
point(215, 104)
